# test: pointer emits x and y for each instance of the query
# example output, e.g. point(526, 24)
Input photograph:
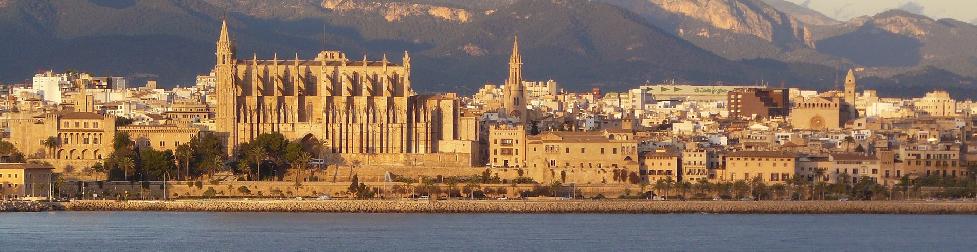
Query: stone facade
point(769, 166)
point(160, 137)
point(24, 180)
point(354, 107)
point(83, 138)
point(816, 113)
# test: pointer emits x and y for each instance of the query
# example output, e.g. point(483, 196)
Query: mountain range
point(460, 45)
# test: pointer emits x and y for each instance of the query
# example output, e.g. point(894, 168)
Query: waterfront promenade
point(523, 206)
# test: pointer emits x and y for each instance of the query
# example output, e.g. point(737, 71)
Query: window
point(162, 143)
point(582, 151)
point(774, 177)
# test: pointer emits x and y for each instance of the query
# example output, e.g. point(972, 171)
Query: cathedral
point(350, 106)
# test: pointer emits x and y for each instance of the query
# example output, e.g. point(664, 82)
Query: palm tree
point(51, 143)
point(664, 184)
point(214, 164)
point(303, 163)
point(183, 154)
point(354, 164)
point(703, 186)
point(684, 187)
point(126, 164)
point(818, 176)
point(257, 155)
point(848, 142)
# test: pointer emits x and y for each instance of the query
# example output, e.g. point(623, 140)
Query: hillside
point(803, 14)
point(902, 39)
point(460, 45)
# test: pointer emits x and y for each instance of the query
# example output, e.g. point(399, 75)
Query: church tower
point(515, 93)
point(225, 72)
point(850, 87)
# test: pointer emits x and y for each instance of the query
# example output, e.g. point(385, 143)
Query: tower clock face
point(817, 122)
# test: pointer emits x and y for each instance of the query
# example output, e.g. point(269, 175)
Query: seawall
point(519, 206)
point(24, 206)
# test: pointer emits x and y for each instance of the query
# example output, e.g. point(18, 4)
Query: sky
point(963, 10)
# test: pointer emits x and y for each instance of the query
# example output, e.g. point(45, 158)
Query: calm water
point(127, 231)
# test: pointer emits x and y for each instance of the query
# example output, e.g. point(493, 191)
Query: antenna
point(322, 42)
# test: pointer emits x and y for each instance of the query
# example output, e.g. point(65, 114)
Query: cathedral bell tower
point(849, 96)
point(850, 87)
point(225, 72)
point(515, 92)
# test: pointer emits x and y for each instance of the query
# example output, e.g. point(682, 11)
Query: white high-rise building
point(48, 85)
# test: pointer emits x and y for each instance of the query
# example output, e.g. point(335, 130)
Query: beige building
point(24, 180)
point(83, 138)
point(190, 112)
point(540, 89)
point(769, 166)
point(932, 160)
point(697, 164)
point(354, 107)
point(583, 157)
point(661, 164)
point(159, 137)
point(507, 146)
point(936, 104)
point(856, 165)
point(816, 113)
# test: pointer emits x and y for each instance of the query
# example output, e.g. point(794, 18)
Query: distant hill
point(460, 45)
point(901, 39)
point(804, 14)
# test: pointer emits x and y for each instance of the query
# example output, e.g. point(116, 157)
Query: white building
point(48, 85)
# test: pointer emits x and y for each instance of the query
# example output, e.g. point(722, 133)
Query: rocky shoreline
point(25, 206)
point(518, 206)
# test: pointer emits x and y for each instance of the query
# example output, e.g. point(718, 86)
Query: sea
point(200, 231)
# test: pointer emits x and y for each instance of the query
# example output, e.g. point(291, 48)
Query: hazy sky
point(964, 10)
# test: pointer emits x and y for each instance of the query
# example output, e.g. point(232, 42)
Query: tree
point(849, 140)
point(256, 155)
point(818, 176)
point(664, 184)
point(354, 164)
point(741, 188)
point(183, 154)
point(157, 165)
point(9, 153)
point(703, 186)
point(99, 168)
point(52, 143)
point(779, 190)
point(354, 183)
point(126, 164)
point(684, 187)
point(294, 155)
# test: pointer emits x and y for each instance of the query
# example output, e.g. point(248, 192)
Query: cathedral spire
point(515, 64)
point(225, 47)
point(224, 37)
point(516, 57)
point(406, 60)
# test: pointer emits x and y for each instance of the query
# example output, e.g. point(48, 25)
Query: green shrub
point(244, 190)
point(210, 193)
